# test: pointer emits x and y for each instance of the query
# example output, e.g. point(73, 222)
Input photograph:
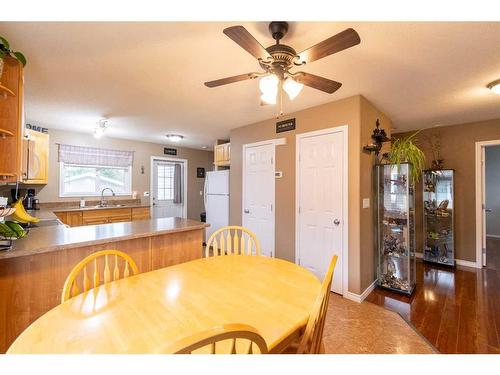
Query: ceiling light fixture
point(174, 137)
point(100, 128)
point(495, 86)
point(292, 88)
point(268, 86)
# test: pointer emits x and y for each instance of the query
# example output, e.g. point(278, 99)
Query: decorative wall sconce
point(379, 137)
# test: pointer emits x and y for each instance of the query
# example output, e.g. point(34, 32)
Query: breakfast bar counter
point(33, 272)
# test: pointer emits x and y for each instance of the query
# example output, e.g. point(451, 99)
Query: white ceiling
point(147, 78)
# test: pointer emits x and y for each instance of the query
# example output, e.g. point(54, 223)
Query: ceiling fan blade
point(317, 82)
point(245, 40)
point(225, 81)
point(345, 39)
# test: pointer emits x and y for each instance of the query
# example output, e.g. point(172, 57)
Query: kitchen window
point(85, 171)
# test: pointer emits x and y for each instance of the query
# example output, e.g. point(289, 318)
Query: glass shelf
point(395, 228)
point(439, 244)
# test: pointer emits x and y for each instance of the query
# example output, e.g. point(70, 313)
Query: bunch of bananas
point(21, 216)
point(11, 230)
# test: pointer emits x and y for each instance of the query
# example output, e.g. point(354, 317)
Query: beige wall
point(142, 157)
point(369, 258)
point(343, 112)
point(458, 151)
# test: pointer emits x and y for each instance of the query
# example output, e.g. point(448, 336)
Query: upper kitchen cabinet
point(11, 119)
point(35, 165)
point(222, 155)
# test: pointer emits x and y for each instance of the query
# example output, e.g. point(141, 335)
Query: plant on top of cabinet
point(406, 150)
point(6, 51)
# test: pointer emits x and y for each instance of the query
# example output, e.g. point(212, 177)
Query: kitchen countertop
point(60, 237)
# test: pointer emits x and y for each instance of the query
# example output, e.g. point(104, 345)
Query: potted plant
point(406, 150)
point(6, 51)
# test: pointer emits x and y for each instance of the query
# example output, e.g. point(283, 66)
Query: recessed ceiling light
point(204, 147)
point(174, 137)
point(495, 86)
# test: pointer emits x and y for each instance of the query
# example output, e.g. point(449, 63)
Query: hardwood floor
point(493, 253)
point(458, 311)
point(364, 328)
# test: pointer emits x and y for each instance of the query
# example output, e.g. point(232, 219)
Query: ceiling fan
point(277, 61)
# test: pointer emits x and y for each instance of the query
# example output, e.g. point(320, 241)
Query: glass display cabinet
point(439, 244)
point(395, 220)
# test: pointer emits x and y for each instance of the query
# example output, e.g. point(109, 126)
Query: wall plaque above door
point(286, 125)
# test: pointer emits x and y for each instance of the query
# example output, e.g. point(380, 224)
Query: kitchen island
point(33, 272)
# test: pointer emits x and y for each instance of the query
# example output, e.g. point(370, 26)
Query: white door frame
point(480, 191)
point(273, 142)
point(345, 204)
point(185, 188)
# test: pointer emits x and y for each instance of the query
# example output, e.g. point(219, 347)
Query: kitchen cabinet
point(35, 161)
point(103, 216)
point(11, 120)
point(222, 154)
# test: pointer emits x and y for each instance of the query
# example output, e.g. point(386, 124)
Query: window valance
point(95, 156)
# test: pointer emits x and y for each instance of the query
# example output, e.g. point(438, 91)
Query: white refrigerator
point(216, 196)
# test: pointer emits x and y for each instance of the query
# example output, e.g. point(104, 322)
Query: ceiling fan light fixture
point(269, 98)
point(495, 86)
point(174, 137)
point(268, 85)
point(292, 88)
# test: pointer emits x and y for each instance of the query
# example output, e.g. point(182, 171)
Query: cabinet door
point(227, 155)
point(219, 153)
point(140, 213)
point(63, 216)
point(35, 157)
point(74, 219)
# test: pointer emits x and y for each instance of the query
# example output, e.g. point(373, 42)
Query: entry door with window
point(320, 195)
point(168, 199)
point(258, 196)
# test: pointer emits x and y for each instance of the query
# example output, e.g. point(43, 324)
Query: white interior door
point(258, 194)
point(483, 204)
point(320, 218)
point(163, 190)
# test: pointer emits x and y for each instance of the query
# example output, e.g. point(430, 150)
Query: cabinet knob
point(336, 221)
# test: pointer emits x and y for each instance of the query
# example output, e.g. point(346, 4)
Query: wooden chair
point(226, 339)
point(71, 289)
point(226, 241)
point(312, 339)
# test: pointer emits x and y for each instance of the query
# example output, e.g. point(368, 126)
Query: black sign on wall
point(169, 151)
point(286, 125)
point(200, 172)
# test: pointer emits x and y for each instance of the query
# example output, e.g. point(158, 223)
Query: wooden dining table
point(148, 312)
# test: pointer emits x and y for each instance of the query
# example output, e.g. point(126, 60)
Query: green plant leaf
point(5, 43)
point(406, 150)
point(20, 57)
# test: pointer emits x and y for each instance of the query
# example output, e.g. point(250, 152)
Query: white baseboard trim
point(460, 262)
point(360, 297)
point(493, 235)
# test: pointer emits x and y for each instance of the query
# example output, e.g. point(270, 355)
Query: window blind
point(95, 156)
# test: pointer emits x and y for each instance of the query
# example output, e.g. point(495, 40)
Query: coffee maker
point(30, 202)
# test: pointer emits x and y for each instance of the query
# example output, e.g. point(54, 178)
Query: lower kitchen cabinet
point(103, 216)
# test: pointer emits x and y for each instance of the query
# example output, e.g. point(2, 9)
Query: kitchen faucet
point(104, 202)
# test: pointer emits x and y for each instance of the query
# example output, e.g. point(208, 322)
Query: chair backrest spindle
point(232, 240)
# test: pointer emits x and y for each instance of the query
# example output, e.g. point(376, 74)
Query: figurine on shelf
point(394, 246)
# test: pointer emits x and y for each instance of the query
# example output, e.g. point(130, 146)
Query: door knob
point(487, 209)
point(246, 211)
point(336, 221)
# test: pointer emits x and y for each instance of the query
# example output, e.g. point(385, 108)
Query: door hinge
point(484, 250)
point(272, 160)
point(300, 209)
point(271, 206)
point(299, 158)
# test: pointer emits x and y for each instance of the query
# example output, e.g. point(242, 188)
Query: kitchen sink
point(107, 206)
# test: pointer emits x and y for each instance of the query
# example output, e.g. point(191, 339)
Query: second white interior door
point(258, 196)
point(320, 218)
point(167, 184)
